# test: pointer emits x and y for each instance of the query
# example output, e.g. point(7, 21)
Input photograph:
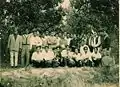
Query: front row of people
point(48, 57)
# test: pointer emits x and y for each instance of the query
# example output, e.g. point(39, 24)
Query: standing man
point(25, 49)
point(14, 46)
point(34, 42)
point(52, 41)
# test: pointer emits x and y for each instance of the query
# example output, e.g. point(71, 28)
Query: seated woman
point(37, 57)
point(96, 57)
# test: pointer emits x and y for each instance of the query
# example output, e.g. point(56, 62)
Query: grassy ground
point(59, 77)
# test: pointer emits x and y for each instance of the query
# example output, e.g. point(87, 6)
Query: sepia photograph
point(59, 43)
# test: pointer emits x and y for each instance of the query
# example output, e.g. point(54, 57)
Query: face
point(47, 33)
point(86, 50)
point(26, 32)
point(35, 33)
point(67, 48)
point(76, 50)
point(15, 32)
point(38, 49)
point(95, 50)
point(60, 35)
point(46, 48)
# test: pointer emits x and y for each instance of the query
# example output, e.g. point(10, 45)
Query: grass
point(70, 78)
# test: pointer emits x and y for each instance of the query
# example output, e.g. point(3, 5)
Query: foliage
point(107, 75)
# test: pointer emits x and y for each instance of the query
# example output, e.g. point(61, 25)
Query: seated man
point(66, 60)
point(96, 57)
point(77, 58)
point(48, 56)
point(86, 56)
point(37, 57)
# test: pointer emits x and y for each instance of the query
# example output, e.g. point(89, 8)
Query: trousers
point(13, 58)
point(25, 55)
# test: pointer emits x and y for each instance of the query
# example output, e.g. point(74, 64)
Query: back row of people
point(27, 42)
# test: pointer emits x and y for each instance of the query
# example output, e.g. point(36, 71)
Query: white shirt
point(58, 41)
point(86, 55)
point(64, 53)
point(70, 54)
point(35, 41)
point(68, 40)
point(48, 55)
point(96, 55)
point(37, 56)
point(77, 56)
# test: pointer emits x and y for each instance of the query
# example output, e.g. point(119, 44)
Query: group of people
point(51, 49)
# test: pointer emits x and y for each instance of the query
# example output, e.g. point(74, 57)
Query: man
point(66, 59)
point(34, 42)
point(94, 41)
point(86, 56)
point(14, 46)
point(52, 40)
point(37, 57)
point(77, 58)
point(74, 43)
point(48, 56)
point(68, 39)
point(63, 42)
point(25, 48)
point(57, 40)
point(96, 57)
point(105, 41)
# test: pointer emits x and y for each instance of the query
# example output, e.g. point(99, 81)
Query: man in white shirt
point(35, 40)
point(48, 56)
point(96, 57)
point(77, 57)
point(67, 57)
point(86, 56)
point(68, 39)
point(37, 57)
point(57, 40)
point(52, 41)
